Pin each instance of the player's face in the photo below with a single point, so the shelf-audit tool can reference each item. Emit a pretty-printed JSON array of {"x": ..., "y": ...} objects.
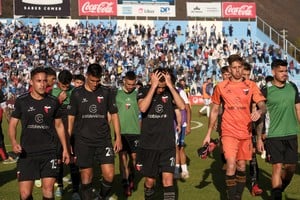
[
  {"x": 236, "y": 69},
  {"x": 39, "y": 83},
  {"x": 161, "y": 87},
  {"x": 226, "y": 75},
  {"x": 246, "y": 75},
  {"x": 129, "y": 85},
  {"x": 280, "y": 74},
  {"x": 63, "y": 87},
  {"x": 51, "y": 80},
  {"x": 78, "y": 83},
  {"x": 92, "y": 82}
]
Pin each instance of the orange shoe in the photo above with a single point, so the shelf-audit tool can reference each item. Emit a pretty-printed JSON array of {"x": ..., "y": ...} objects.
[{"x": 256, "y": 190}]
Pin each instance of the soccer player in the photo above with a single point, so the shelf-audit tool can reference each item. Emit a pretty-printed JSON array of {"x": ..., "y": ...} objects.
[
  {"x": 128, "y": 111},
  {"x": 38, "y": 148},
  {"x": 282, "y": 127},
  {"x": 253, "y": 165},
  {"x": 156, "y": 154},
  {"x": 87, "y": 119},
  {"x": 237, "y": 95}
]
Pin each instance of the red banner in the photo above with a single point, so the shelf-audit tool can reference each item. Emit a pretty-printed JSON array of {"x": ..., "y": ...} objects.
[
  {"x": 238, "y": 10},
  {"x": 97, "y": 8},
  {"x": 196, "y": 100}
]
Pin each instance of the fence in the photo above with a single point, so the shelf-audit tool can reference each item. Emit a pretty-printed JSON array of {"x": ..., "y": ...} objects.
[{"x": 279, "y": 38}]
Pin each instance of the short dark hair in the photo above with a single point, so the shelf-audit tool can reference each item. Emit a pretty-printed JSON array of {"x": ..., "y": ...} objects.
[
  {"x": 65, "y": 77},
  {"x": 94, "y": 70},
  {"x": 78, "y": 77},
  {"x": 247, "y": 66},
  {"x": 36, "y": 71},
  {"x": 224, "y": 69},
  {"x": 50, "y": 72},
  {"x": 234, "y": 58},
  {"x": 130, "y": 75},
  {"x": 278, "y": 62},
  {"x": 162, "y": 70}
]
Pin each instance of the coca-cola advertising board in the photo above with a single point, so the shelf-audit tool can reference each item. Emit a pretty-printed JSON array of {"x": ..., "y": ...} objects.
[
  {"x": 238, "y": 10},
  {"x": 97, "y": 8},
  {"x": 42, "y": 8}
]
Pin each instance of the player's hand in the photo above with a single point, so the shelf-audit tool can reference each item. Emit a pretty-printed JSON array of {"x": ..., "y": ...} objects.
[
  {"x": 206, "y": 140},
  {"x": 66, "y": 157},
  {"x": 260, "y": 145},
  {"x": 155, "y": 78},
  {"x": 17, "y": 148},
  {"x": 188, "y": 129},
  {"x": 118, "y": 145},
  {"x": 62, "y": 96},
  {"x": 168, "y": 79}
]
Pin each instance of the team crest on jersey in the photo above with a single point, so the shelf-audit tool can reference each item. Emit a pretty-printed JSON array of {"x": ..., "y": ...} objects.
[
  {"x": 246, "y": 91},
  {"x": 46, "y": 108},
  {"x": 127, "y": 105},
  {"x": 164, "y": 99},
  {"x": 99, "y": 99}
]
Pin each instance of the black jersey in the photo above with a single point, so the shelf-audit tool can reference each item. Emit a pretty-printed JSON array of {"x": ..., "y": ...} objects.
[
  {"x": 90, "y": 110},
  {"x": 38, "y": 135},
  {"x": 158, "y": 130}
]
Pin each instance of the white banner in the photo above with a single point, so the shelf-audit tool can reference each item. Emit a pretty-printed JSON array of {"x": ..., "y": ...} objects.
[
  {"x": 203, "y": 9},
  {"x": 146, "y": 10}
]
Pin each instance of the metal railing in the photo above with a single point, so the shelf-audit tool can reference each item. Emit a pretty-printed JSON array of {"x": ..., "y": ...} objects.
[{"x": 279, "y": 38}]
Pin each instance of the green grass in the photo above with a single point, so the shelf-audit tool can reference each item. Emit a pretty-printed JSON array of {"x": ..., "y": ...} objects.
[{"x": 206, "y": 177}]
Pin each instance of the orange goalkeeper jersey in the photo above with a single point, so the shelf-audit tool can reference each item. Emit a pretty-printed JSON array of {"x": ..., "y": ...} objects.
[{"x": 236, "y": 98}]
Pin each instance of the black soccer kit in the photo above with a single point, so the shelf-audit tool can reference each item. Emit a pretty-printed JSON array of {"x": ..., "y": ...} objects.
[
  {"x": 91, "y": 128},
  {"x": 38, "y": 136}
]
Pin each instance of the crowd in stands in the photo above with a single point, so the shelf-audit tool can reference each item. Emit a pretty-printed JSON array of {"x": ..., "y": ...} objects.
[{"x": 119, "y": 49}]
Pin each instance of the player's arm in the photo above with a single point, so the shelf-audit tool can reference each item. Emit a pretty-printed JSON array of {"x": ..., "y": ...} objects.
[
  {"x": 177, "y": 98},
  {"x": 212, "y": 121},
  {"x": 63, "y": 137},
  {"x": 71, "y": 119},
  {"x": 297, "y": 106},
  {"x": 12, "y": 133},
  {"x": 116, "y": 124}
]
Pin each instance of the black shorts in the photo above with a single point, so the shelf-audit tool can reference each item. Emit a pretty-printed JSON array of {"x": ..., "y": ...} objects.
[
  {"x": 130, "y": 142},
  {"x": 284, "y": 150},
  {"x": 32, "y": 168},
  {"x": 152, "y": 162},
  {"x": 86, "y": 155}
]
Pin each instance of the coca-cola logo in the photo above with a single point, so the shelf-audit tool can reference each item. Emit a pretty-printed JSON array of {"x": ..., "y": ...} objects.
[
  {"x": 244, "y": 10},
  {"x": 103, "y": 7}
]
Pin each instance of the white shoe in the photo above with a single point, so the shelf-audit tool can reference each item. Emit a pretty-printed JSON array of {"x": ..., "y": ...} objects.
[
  {"x": 67, "y": 180},
  {"x": 38, "y": 183},
  {"x": 185, "y": 175}
]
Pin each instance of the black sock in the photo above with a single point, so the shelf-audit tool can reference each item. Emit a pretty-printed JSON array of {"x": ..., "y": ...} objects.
[
  {"x": 223, "y": 158},
  {"x": 240, "y": 183},
  {"x": 169, "y": 193},
  {"x": 105, "y": 188},
  {"x": 28, "y": 198},
  {"x": 86, "y": 191},
  {"x": 276, "y": 194},
  {"x": 284, "y": 184},
  {"x": 231, "y": 186},
  {"x": 45, "y": 198},
  {"x": 253, "y": 166},
  {"x": 75, "y": 177},
  {"x": 148, "y": 193}
]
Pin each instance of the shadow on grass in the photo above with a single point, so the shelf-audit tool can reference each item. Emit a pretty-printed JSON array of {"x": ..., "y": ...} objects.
[
  {"x": 8, "y": 175},
  {"x": 218, "y": 178}
]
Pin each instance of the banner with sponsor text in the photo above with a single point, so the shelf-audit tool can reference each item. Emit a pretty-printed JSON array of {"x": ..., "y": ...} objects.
[
  {"x": 145, "y": 10},
  {"x": 42, "y": 8},
  {"x": 97, "y": 8},
  {"x": 239, "y": 10},
  {"x": 195, "y": 9}
]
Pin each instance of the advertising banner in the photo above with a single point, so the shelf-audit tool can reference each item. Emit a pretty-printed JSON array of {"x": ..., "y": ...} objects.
[
  {"x": 194, "y": 9},
  {"x": 196, "y": 100},
  {"x": 161, "y": 2},
  {"x": 238, "y": 10},
  {"x": 42, "y": 8},
  {"x": 97, "y": 8},
  {"x": 145, "y": 10}
]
